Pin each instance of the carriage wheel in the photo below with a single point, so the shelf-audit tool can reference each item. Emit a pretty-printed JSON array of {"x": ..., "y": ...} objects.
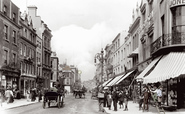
[{"x": 58, "y": 101}]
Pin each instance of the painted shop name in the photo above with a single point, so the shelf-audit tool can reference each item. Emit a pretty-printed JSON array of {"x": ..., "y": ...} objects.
[{"x": 175, "y": 3}]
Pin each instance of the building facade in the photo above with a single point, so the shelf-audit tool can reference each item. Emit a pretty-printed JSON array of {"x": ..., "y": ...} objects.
[
  {"x": 27, "y": 43},
  {"x": 9, "y": 48},
  {"x": 45, "y": 34},
  {"x": 55, "y": 70}
]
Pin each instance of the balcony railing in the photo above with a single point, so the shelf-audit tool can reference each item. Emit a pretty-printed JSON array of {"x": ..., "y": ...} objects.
[{"x": 168, "y": 40}]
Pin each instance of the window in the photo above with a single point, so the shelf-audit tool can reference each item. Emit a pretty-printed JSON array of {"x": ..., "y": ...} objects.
[
  {"x": 5, "y": 31},
  {"x": 25, "y": 48},
  {"x": 14, "y": 58},
  {"x": 5, "y": 10},
  {"x": 13, "y": 17},
  {"x": 6, "y": 57},
  {"x": 25, "y": 32},
  {"x": 14, "y": 36},
  {"x": 21, "y": 48}
]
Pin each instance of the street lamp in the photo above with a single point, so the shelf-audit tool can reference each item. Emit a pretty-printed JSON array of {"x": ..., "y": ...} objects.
[{"x": 99, "y": 56}]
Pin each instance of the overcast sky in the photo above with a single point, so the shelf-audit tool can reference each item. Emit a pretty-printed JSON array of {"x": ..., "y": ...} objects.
[{"x": 80, "y": 28}]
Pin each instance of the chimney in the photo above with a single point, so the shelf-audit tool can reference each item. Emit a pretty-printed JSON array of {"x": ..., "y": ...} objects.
[{"x": 32, "y": 10}]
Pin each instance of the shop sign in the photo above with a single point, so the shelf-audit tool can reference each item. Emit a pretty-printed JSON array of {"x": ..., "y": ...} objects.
[{"x": 175, "y": 3}]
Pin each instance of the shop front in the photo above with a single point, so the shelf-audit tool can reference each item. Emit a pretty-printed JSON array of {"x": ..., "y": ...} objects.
[
  {"x": 9, "y": 78},
  {"x": 27, "y": 83},
  {"x": 170, "y": 73}
]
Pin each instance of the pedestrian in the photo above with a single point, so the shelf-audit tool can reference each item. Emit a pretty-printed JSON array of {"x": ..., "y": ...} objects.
[
  {"x": 9, "y": 95},
  {"x": 109, "y": 99},
  {"x": 141, "y": 97},
  {"x": 158, "y": 92},
  {"x": 105, "y": 97},
  {"x": 39, "y": 95},
  {"x": 146, "y": 97},
  {"x": 115, "y": 98},
  {"x": 126, "y": 96},
  {"x": 28, "y": 95},
  {"x": 121, "y": 99}
]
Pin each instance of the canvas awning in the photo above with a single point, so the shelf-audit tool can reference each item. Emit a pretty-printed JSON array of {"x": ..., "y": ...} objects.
[
  {"x": 125, "y": 76},
  {"x": 134, "y": 53},
  {"x": 106, "y": 82},
  {"x": 170, "y": 66},
  {"x": 114, "y": 80},
  {"x": 147, "y": 69}
]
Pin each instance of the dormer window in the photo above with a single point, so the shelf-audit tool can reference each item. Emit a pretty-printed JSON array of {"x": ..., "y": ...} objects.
[
  {"x": 5, "y": 10},
  {"x": 13, "y": 17}
]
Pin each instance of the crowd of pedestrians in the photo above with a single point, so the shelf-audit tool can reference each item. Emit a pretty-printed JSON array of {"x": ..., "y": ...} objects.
[
  {"x": 122, "y": 95},
  {"x": 116, "y": 97}
]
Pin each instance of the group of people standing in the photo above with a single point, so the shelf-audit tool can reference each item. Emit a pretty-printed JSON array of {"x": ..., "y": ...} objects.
[
  {"x": 153, "y": 93},
  {"x": 32, "y": 94},
  {"x": 120, "y": 97},
  {"x": 116, "y": 97}
]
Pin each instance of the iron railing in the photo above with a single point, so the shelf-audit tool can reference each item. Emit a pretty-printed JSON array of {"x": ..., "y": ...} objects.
[{"x": 168, "y": 40}]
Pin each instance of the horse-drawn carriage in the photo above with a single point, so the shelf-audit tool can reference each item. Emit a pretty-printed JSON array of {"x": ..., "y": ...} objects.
[
  {"x": 79, "y": 93},
  {"x": 53, "y": 97}
]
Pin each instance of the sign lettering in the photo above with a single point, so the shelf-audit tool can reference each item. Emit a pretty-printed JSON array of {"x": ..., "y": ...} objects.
[{"x": 175, "y": 3}]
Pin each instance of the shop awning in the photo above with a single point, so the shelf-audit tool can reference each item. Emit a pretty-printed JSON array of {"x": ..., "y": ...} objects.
[
  {"x": 106, "y": 82},
  {"x": 125, "y": 76},
  {"x": 147, "y": 69},
  {"x": 170, "y": 66},
  {"x": 114, "y": 80},
  {"x": 134, "y": 53}
]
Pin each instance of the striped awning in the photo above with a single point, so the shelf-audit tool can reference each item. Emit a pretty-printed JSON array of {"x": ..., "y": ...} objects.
[
  {"x": 147, "y": 69},
  {"x": 106, "y": 82},
  {"x": 125, "y": 76},
  {"x": 170, "y": 66},
  {"x": 114, "y": 80}
]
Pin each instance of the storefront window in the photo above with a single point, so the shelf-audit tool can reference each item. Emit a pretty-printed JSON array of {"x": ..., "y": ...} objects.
[{"x": 178, "y": 23}]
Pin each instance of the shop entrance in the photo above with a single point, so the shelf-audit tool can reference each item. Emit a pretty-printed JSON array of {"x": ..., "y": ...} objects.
[{"x": 181, "y": 93}]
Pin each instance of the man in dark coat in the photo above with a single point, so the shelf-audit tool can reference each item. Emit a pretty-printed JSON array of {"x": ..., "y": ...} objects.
[
  {"x": 105, "y": 98},
  {"x": 115, "y": 98}
]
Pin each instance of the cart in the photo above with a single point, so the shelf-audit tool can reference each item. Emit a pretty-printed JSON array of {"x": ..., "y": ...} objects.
[
  {"x": 53, "y": 97},
  {"x": 79, "y": 93}
]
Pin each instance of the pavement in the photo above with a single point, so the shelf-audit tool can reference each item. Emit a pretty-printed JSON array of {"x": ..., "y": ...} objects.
[
  {"x": 17, "y": 103},
  {"x": 133, "y": 108}
]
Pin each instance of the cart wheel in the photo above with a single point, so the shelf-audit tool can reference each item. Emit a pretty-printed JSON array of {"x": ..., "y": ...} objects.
[
  {"x": 44, "y": 105},
  {"x": 58, "y": 101}
]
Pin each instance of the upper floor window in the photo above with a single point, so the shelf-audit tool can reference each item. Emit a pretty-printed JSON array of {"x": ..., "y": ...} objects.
[
  {"x": 6, "y": 57},
  {"x": 5, "y": 31},
  {"x": 25, "y": 32},
  {"x": 14, "y": 36},
  {"x": 13, "y": 17},
  {"x": 25, "y": 49},
  {"x": 14, "y": 58},
  {"x": 5, "y": 10},
  {"x": 21, "y": 48}
]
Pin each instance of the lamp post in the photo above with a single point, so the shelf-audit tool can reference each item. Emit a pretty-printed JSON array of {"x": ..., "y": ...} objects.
[{"x": 99, "y": 56}]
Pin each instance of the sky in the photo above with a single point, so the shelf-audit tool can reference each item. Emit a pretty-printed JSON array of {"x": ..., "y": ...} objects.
[{"x": 81, "y": 28}]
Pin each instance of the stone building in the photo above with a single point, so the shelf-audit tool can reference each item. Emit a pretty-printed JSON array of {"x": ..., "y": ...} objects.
[
  {"x": 27, "y": 46},
  {"x": 9, "y": 48}
]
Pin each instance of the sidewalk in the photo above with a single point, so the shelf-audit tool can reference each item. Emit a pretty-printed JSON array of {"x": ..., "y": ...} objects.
[
  {"x": 17, "y": 103},
  {"x": 133, "y": 108}
]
